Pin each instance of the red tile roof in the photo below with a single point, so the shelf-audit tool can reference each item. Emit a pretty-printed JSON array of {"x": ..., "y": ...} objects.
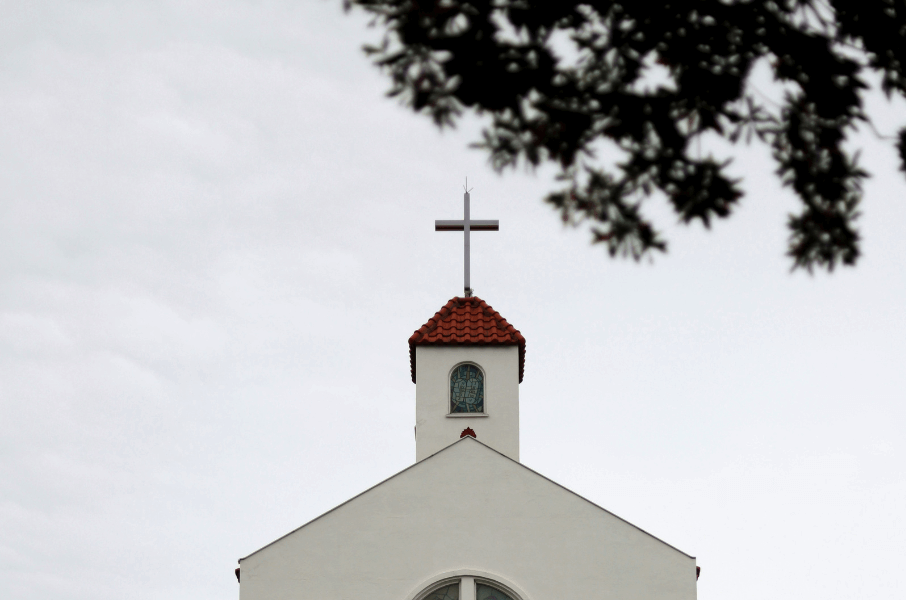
[{"x": 467, "y": 321}]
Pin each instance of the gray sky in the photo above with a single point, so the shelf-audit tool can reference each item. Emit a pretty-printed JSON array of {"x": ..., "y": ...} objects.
[{"x": 216, "y": 236}]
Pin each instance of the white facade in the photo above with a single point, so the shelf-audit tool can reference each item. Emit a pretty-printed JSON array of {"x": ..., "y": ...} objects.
[
  {"x": 468, "y": 511},
  {"x": 436, "y": 428}
]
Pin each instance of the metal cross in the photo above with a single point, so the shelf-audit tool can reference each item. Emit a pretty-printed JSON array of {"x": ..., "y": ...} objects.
[{"x": 467, "y": 225}]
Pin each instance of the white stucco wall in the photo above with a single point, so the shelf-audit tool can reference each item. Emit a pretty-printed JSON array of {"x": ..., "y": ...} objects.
[
  {"x": 467, "y": 510},
  {"x": 436, "y": 429}
]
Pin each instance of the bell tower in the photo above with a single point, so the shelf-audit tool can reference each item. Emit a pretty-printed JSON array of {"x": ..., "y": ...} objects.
[{"x": 467, "y": 363}]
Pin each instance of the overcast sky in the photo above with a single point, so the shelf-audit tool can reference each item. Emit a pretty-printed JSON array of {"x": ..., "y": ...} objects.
[{"x": 216, "y": 236}]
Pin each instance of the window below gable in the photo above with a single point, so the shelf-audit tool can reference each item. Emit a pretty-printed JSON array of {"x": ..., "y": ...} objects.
[{"x": 467, "y": 588}]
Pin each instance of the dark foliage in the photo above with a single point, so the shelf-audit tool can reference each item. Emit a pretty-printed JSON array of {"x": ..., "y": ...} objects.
[{"x": 500, "y": 58}]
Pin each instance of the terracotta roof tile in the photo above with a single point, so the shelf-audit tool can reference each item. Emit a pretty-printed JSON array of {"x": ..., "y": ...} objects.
[{"x": 467, "y": 321}]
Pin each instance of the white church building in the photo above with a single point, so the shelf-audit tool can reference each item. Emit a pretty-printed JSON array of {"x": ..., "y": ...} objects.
[{"x": 467, "y": 521}]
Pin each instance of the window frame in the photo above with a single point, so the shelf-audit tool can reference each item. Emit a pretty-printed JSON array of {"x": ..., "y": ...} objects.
[
  {"x": 484, "y": 383},
  {"x": 494, "y": 584},
  {"x": 438, "y": 585},
  {"x": 466, "y": 578}
]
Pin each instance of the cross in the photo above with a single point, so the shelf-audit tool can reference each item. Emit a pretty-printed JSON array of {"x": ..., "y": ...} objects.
[{"x": 466, "y": 225}]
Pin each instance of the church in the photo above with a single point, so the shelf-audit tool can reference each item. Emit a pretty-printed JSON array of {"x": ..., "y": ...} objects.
[{"x": 467, "y": 521}]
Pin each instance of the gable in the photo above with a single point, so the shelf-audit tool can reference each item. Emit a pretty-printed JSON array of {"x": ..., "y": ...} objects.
[{"x": 468, "y": 506}]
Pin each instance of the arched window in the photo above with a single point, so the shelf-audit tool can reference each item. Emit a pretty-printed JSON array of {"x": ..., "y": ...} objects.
[
  {"x": 467, "y": 389},
  {"x": 466, "y": 588},
  {"x": 484, "y": 591},
  {"x": 446, "y": 592}
]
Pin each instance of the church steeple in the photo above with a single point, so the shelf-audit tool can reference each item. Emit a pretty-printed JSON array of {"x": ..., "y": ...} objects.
[{"x": 467, "y": 363}]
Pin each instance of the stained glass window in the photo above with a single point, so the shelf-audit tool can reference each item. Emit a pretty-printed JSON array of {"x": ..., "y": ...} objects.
[
  {"x": 486, "y": 592},
  {"x": 449, "y": 592},
  {"x": 467, "y": 390}
]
